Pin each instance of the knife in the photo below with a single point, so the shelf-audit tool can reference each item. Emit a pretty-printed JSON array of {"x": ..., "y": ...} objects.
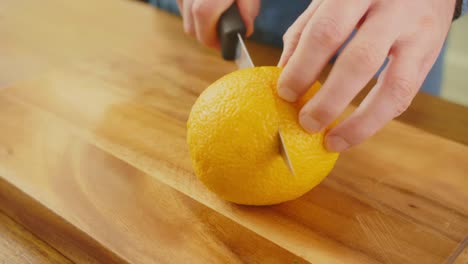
[{"x": 231, "y": 30}]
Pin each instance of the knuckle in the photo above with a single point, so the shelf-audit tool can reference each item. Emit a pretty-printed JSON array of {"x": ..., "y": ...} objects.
[
  {"x": 291, "y": 37},
  {"x": 429, "y": 29},
  {"x": 287, "y": 36},
  {"x": 327, "y": 32},
  {"x": 401, "y": 93},
  {"x": 427, "y": 23},
  {"x": 366, "y": 54}
]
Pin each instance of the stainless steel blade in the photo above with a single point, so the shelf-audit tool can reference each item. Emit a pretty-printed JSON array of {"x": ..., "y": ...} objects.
[
  {"x": 284, "y": 153},
  {"x": 243, "y": 60}
]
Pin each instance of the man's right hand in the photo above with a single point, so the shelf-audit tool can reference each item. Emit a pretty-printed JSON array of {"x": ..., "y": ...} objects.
[{"x": 201, "y": 17}]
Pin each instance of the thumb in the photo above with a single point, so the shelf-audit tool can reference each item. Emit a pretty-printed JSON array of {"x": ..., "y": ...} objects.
[{"x": 249, "y": 10}]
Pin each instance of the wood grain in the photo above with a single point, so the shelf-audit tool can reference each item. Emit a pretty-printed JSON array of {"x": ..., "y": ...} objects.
[
  {"x": 92, "y": 143},
  {"x": 118, "y": 204},
  {"x": 77, "y": 246},
  {"x": 17, "y": 245}
]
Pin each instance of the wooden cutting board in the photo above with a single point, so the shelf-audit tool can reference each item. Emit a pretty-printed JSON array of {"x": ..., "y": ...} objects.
[{"x": 94, "y": 98}]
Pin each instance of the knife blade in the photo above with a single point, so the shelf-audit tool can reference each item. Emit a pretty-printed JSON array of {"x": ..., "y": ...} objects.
[
  {"x": 231, "y": 30},
  {"x": 284, "y": 153},
  {"x": 242, "y": 58}
]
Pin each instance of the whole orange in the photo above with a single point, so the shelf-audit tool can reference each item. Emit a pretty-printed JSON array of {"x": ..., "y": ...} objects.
[{"x": 234, "y": 145}]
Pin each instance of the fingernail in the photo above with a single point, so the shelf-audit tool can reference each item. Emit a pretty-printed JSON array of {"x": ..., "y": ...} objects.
[
  {"x": 336, "y": 144},
  {"x": 310, "y": 124},
  {"x": 287, "y": 94}
]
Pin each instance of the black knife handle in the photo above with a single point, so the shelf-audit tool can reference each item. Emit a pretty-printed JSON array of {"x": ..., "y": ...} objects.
[{"x": 229, "y": 25}]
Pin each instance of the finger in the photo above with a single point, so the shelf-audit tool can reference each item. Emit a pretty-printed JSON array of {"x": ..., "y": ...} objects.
[
  {"x": 189, "y": 25},
  {"x": 294, "y": 32},
  {"x": 249, "y": 11},
  {"x": 206, "y": 14},
  {"x": 391, "y": 96},
  {"x": 325, "y": 32},
  {"x": 355, "y": 67}
]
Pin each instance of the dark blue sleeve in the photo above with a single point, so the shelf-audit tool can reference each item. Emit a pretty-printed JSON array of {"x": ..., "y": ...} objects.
[
  {"x": 465, "y": 7},
  {"x": 168, "y": 5}
]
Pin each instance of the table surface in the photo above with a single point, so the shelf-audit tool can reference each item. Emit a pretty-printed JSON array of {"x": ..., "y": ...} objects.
[{"x": 94, "y": 168}]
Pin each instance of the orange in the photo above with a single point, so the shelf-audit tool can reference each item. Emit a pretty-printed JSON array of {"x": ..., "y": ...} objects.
[{"x": 234, "y": 145}]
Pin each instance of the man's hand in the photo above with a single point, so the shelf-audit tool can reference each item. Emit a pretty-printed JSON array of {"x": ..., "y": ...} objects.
[
  {"x": 201, "y": 17},
  {"x": 410, "y": 33}
]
